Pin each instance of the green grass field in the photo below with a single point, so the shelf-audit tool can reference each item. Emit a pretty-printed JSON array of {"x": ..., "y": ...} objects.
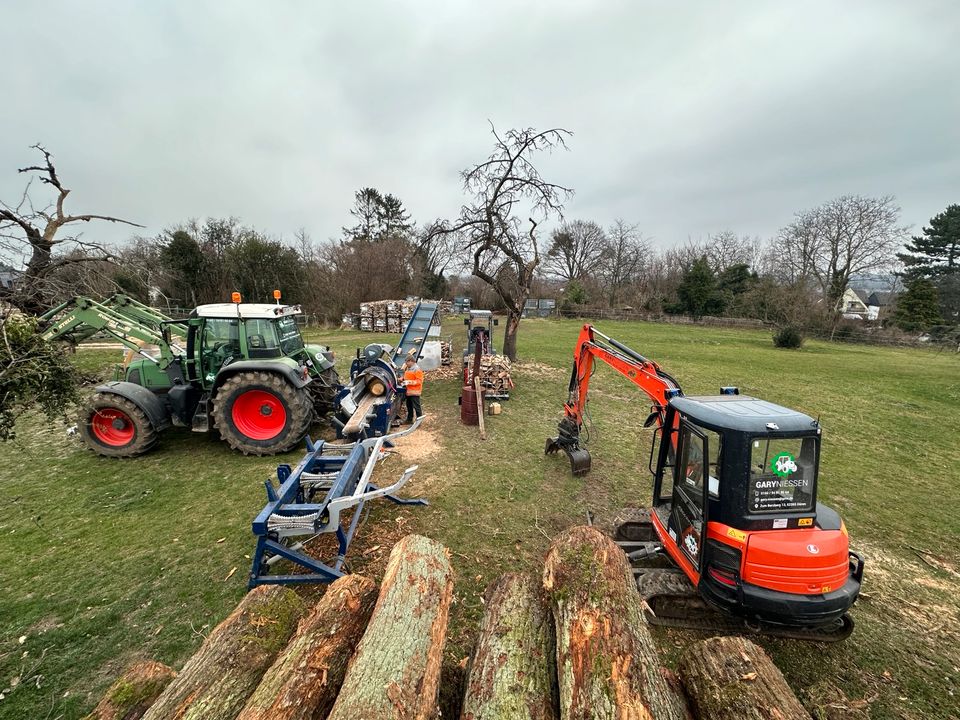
[{"x": 106, "y": 561}]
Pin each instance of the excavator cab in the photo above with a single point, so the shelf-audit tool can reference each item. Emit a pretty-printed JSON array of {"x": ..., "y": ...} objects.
[{"x": 735, "y": 505}]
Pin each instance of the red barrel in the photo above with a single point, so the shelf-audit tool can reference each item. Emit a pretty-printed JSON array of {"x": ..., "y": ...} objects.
[{"x": 468, "y": 406}]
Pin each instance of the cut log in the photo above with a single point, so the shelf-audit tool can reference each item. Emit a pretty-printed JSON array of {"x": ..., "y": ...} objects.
[
  {"x": 304, "y": 681},
  {"x": 512, "y": 673},
  {"x": 728, "y": 678},
  {"x": 133, "y": 692},
  {"x": 607, "y": 666},
  {"x": 217, "y": 680},
  {"x": 395, "y": 672}
]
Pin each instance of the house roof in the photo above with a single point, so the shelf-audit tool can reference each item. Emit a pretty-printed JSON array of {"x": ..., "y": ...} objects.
[{"x": 880, "y": 298}]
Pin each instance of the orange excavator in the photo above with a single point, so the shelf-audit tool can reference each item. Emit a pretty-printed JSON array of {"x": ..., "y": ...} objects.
[{"x": 735, "y": 538}]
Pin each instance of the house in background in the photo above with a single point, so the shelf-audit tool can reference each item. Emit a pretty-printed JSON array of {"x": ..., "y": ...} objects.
[
  {"x": 8, "y": 276},
  {"x": 852, "y": 306},
  {"x": 878, "y": 304}
]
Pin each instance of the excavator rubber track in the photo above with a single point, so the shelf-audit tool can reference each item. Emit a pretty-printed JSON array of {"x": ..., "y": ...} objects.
[{"x": 671, "y": 600}]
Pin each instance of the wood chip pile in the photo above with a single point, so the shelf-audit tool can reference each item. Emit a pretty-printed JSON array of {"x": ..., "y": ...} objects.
[
  {"x": 494, "y": 375},
  {"x": 389, "y": 316},
  {"x": 571, "y": 643}
]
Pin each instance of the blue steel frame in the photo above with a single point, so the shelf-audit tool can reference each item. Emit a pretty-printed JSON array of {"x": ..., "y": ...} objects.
[{"x": 291, "y": 499}]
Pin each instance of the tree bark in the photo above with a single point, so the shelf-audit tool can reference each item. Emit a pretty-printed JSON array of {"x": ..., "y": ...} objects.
[
  {"x": 730, "y": 678},
  {"x": 513, "y": 669},
  {"x": 606, "y": 662},
  {"x": 133, "y": 692},
  {"x": 216, "y": 682},
  {"x": 395, "y": 672},
  {"x": 304, "y": 681}
]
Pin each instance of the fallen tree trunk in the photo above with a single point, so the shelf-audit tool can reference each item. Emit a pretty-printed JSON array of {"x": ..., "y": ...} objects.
[
  {"x": 606, "y": 662},
  {"x": 395, "y": 672},
  {"x": 133, "y": 692},
  {"x": 730, "y": 678},
  {"x": 216, "y": 682},
  {"x": 512, "y": 673},
  {"x": 304, "y": 681}
]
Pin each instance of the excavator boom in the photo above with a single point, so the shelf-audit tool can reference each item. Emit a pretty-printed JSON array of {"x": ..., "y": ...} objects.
[{"x": 593, "y": 345}]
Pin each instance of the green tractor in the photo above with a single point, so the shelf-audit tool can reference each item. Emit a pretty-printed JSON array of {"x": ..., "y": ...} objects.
[{"x": 240, "y": 368}]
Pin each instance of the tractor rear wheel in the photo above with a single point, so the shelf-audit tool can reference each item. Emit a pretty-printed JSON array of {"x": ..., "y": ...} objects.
[
  {"x": 260, "y": 413},
  {"x": 116, "y": 427}
]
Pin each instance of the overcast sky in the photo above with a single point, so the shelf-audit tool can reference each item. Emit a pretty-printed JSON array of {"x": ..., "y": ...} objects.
[{"x": 688, "y": 118}]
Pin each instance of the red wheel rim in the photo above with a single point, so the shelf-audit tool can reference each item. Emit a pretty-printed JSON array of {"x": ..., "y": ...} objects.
[
  {"x": 112, "y": 427},
  {"x": 259, "y": 414}
]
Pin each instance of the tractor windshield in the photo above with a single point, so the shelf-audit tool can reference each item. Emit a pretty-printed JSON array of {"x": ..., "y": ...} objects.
[
  {"x": 783, "y": 473},
  {"x": 290, "y": 340}
]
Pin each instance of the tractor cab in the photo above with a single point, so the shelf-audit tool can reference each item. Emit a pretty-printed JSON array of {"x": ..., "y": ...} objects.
[{"x": 735, "y": 491}]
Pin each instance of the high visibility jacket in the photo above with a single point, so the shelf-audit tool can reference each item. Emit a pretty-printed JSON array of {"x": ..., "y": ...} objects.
[{"x": 413, "y": 379}]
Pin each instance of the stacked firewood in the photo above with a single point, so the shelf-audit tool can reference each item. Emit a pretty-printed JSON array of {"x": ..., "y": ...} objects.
[
  {"x": 494, "y": 375},
  {"x": 446, "y": 352},
  {"x": 389, "y": 316},
  {"x": 569, "y": 644}
]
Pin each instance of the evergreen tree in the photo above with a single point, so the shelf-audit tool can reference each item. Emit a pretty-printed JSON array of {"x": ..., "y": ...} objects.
[
  {"x": 936, "y": 253},
  {"x": 697, "y": 292},
  {"x": 918, "y": 307}
]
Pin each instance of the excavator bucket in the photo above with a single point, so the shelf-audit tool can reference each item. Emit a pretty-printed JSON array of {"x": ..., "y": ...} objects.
[{"x": 579, "y": 457}]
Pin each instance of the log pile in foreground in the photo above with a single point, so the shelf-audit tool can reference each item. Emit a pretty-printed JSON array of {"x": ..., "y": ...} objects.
[
  {"x": 395, "y": 672},
  {"x": 730, "y": 678},
  {"x": 304, "y": 681},
  {"x": 216, "y": 682},
  {"x": 606, "y": 660},
  {"x": 572, "y": 644},
  {"x": 134, "y": 692},
  {"x": 512, "y": 673}
]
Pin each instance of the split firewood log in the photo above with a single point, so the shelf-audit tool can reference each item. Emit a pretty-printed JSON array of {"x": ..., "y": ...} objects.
[
  {"x": 395, "y": 673},
  {"x": 607, "y": 665},
  {"x": 217, "y": 680},
  {"x": 730, "y": 678}
]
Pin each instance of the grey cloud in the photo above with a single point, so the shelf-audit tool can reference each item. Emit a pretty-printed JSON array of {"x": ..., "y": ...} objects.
[{"x": 688, "y": 119}]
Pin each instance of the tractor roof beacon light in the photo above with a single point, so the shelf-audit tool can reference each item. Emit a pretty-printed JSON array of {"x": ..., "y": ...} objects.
[{"x": 276, "y": 296}]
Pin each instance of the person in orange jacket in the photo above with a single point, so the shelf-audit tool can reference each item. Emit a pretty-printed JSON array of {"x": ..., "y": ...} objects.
[{"x": 413, "y": 383}]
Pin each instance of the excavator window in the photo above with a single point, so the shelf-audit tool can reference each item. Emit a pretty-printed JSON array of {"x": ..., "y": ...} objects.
[{"x": 782, "y": 474}]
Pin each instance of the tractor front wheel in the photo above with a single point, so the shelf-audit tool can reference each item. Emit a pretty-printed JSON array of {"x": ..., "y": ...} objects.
[
  {"x": 116, "y": 427},
  {"x": 260, "y": 413}
]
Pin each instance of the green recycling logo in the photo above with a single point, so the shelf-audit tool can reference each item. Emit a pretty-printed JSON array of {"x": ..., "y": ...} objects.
[{"x": 783, "y": 464}]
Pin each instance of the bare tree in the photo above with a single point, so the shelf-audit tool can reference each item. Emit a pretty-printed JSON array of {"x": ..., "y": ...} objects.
[
  {"x": 628, "y": 253},
  {"x": 848, "y": 235},
  {"x": 32, "y": 238},
  {"x": 504, "y": 254},
  {"x": 576, "y": 249}
]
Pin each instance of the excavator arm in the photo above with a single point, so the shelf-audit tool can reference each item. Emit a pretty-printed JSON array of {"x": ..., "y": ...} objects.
[{"x": 592, "y": 345}]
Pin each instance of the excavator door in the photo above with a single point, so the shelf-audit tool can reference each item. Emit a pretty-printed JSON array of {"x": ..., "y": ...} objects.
[{"x": 687, "y": 516}]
